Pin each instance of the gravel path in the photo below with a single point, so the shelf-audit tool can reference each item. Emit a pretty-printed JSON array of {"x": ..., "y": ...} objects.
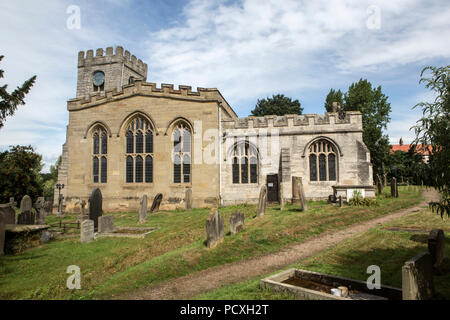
[{"x": 189, "y": 286}]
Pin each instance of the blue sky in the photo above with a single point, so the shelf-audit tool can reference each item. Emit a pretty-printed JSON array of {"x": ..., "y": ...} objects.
[{"x": 247, "y": 49}]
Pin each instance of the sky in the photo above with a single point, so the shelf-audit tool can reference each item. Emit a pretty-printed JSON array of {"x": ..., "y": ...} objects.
[{"x": 248, "y": 49}]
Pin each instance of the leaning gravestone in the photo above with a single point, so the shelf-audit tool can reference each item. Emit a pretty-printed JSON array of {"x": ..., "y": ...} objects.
[
  {"x": 188, "y": 199},
  {"x": 143, "y": 209},
  {"x": 301, "y": 194},
  {"x": 106, "y": 224},
  {"x": 9, "y": 215},
  {"x": 436, "y": 247},
  {"x": 2, "y": 234},
  {"x": 379, "y": 184},
  {"x": 417, "y": 278},
  {"x": 87, "y": 231},
  {"x": 262, "y": 201},
  {"x": 95, "y": 206},
  {"x": 236, "y": 222},
  {"x": 156, "y": 203},
  {"x": 214, "y": 228}
]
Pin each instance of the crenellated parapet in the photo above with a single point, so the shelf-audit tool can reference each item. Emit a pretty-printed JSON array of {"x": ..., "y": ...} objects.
[
  {"x": 109, "y": 56},
  {"x": 141, "y": 88},
  {"x": 329, "y": 120}
]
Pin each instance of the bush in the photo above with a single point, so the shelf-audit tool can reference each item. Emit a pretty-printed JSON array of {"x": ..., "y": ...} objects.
[{"x": 358, "y": 200}]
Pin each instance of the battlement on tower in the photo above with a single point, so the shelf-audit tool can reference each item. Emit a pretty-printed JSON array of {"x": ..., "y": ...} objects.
[{"x": 109, "y": 56}]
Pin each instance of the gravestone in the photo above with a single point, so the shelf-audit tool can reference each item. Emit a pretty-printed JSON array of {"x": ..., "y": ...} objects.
[
  {"x": 340, "y": 201},
  {"x": 436, "y": 247},
  {"x": 95, "y": 206},
  {"x": 106, "y": 224},
  {"x": 156, "y": 203},
  {"x": 40, "y": 213},
  {"x": 13, "y": 203},
  {"x": 8, "y": 212},
  {"x": 417, "y": 278},
  {"x": 262, "y": 201},
  {"x": 26, "y": 204},
  {"x": 26, "y": 218},
  {"x": 143, "y": 209},
  {"x": 282, "y": 200},
  {"x": 188, "y": 198},
  {"x": 379, "y": 185},
  {"x": 87, "y": 231},
  {"x": 2, "y": 234},
  {"x": 301, "y": 195},
  {"x": 236, "y": 222},
  {"x": 394, "y": 192},
  {"x": 295, "y": 198},
  {"x": 214, "y": 228}
]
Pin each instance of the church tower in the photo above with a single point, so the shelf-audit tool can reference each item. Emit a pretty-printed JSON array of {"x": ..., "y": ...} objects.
[{"x": 106, "y": 71}]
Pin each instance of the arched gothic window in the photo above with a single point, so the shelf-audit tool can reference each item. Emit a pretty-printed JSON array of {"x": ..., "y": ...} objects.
[
  {"x": 139, "y": 151},
  {"x": 182, "y": 153},
  {"x": 322, "y": 161},
  {"x": 245, "y": 163},
  {"x": 99, "y": 155}
]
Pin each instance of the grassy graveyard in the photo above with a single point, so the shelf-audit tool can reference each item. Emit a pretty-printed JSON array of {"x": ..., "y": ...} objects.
[
  {"x": 388, "y": 249},
  {"x": 110, "y": 266}
]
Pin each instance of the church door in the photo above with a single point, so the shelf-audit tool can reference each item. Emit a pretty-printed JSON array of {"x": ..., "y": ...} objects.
[{"x": 272, "y": 188}]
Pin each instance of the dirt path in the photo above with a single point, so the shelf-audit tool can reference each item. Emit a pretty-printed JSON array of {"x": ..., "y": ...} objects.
[{"x": 210, "y": 279}]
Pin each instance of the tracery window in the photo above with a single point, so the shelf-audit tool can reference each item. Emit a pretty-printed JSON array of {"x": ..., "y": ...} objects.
[
  {"x": 322, "y": 161},
  {"x": 99, "y": 155},
  {"x": 139, "y": 151},
  {"x": 245, "y": 163},
  {"x": 182, "y": 153}
]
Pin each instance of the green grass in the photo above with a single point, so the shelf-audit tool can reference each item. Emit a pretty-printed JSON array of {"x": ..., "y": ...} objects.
[
  {"x": 111, "y": 266},
  {"x": 378, "y": 246}
]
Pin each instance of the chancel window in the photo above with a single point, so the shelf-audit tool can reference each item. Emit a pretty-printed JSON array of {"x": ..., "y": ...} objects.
[
  {"x": 182, "y": 153},
  {"x": 245, "y": 163},
  {"x": 322, "y": 161},
  {"x": 139, "y": 151},
  {"x": 99, "y": 155}
]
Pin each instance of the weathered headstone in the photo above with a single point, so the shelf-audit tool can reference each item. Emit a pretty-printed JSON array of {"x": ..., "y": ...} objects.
[
  {"x": 379, "y": 185},
  {"x": 394, "y": 188},
  {"x": 417, "y": 278},
  {"x": 26, "y": 204},
  {"x": 236, "y": 222},
  {"x": 87, "y": 231},
  {"x": 95, "y": 206},
  {"x": 282, "y": 200},
  {"x": 8, "y": 212},
  {"x": 295, "y": 198},
  {"x": 340, "y": 201},
  {"x": 436, "y": 247},
  {"x": 143, "y": 209},
  {"x": 156, "y": 203},
  {"x": 188, "y": 198},
  {"x": 26, "y": 218},
  {"x": 40, "y": 213},
  {"x": 106, "y": 224},
  {"x": 2, "y": 234},
  {"x": 262, "y": 201},
  {"x": 301, "y": 195},
  {"x": 214, "y": 228},
  {"x": 12, "y": 202}
]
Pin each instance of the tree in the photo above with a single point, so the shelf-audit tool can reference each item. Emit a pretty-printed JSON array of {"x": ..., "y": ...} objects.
[
  {"x": 20, "y": 170},
  {"x": 50, "y": 179},
  {"x": 10, "y": 102},
  {"x": 407, "y": 165},
  {"x": 375, "y": 109},
  {"x": 333, "y": 96},
  {"x": 433, "y": 133},
  {"x": 277, "y": 105}
]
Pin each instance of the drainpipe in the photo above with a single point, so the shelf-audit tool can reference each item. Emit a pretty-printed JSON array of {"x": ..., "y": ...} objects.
[{"x": 219, "y": 136}]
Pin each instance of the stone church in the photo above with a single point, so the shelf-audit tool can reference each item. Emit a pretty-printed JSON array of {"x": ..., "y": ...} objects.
[{"x": 129, "y": 137}]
